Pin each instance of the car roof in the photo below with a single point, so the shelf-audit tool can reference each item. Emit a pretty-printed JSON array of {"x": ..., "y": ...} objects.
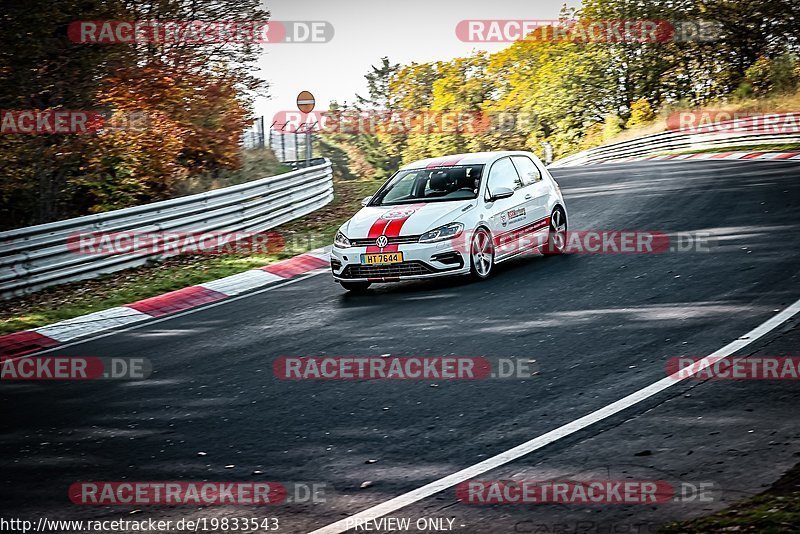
[{"x": 473, "y": 158}]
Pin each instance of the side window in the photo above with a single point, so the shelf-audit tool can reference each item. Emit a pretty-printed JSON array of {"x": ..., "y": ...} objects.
[
  {"x": 528, "y": 170},
  {"x": 503, "y": 174}
]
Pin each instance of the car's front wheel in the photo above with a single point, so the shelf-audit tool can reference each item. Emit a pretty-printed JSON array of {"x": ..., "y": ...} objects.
[
  {"x": 481, "y": 254},
  {"x": 356, "y": 287},
  {"x": 557, "y": 237}
]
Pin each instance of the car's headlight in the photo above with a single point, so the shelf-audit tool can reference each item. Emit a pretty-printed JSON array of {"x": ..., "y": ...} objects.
[
  {"x": 448, "y": 231},
  {"x": 341, "y": 241}
]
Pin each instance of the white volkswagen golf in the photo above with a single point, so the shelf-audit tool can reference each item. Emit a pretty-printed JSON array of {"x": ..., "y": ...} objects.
[{"x": 451, "y": 216}]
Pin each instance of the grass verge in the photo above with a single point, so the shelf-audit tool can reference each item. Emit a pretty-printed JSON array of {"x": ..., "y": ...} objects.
[{"x": 776, "y": 511}]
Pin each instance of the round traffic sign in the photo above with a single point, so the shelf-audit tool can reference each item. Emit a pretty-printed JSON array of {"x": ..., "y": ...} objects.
[{"x": 305, "y": 102}]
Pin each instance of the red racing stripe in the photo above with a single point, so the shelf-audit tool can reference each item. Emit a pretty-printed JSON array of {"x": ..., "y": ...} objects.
[
  {"x": 395, "y": 225},
  {"x": 443, "y": 162},
  {"x": 390, "y": 227},
  {"x": 452, "y": 161},
  {"x": 435, "y": 163},
  {"x": 375, "y": 231},
  {"x": 509, "y": 236}
]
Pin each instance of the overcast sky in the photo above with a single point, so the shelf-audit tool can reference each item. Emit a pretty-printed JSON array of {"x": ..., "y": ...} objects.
[{"x": 365, "y": 31}]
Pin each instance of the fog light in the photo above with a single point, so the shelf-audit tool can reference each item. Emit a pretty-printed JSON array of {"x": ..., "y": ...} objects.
[{"x": 448, "y": 258}]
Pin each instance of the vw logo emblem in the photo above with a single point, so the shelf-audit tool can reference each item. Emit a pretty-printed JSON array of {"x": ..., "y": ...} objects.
[{"x": 382, "y": 241}]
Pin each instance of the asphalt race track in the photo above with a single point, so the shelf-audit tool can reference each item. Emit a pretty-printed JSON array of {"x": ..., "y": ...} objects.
[{"x": 599, "y": 327}]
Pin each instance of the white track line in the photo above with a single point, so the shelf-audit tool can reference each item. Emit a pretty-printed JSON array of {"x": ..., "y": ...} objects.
[{"x": 519, "y": 451}]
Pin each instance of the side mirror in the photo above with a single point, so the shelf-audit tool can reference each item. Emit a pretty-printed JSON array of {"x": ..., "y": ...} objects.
[
  {"x": 500, "y": 192},
  {"x": 366, "y": 200}
]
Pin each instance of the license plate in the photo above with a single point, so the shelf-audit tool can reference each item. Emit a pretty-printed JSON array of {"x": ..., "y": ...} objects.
[{"x": 382, "y": 258}]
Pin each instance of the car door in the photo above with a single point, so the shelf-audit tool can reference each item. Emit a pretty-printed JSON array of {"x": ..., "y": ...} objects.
[
  {"x": 535, "y": 190},
  {"x": 506, "y": 216}
]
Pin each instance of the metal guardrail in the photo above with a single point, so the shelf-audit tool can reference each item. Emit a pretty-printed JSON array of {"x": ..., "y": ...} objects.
[
  {"x": 677, "y": 140},
  {"x": 36, "y": 257}
]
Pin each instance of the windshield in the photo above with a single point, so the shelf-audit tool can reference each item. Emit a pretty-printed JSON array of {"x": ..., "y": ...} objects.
[{"x": 442, "y": 184}]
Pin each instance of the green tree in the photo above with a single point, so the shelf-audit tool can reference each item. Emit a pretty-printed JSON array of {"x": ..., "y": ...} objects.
[{"x": 783, "y": 73}]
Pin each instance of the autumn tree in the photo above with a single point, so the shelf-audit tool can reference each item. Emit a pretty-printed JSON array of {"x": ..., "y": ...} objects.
[{"x": 194, "y": 97}]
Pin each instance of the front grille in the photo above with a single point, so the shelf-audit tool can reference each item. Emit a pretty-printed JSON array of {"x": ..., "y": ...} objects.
[
  {"x": 370, "y": 241},
  {"x": 393, "y": 270}
]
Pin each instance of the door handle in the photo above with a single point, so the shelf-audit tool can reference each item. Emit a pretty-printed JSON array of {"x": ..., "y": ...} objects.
[{"x": 528, "y": 196}]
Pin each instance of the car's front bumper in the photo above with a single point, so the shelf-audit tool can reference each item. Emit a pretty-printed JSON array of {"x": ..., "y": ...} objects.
[{"x": 420, "y": 260}]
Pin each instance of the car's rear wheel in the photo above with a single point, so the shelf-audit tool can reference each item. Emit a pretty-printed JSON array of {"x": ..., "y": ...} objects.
[
  {"x": 356, "y": 287},
  {"x": 481, "y": 254},
  {"x": 557, "y": 237}
]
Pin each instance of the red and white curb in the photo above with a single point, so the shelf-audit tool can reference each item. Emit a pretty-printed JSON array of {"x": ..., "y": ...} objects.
[
  {"x": 713, "y": 156},
  {"x": 20, "y": 343}
]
